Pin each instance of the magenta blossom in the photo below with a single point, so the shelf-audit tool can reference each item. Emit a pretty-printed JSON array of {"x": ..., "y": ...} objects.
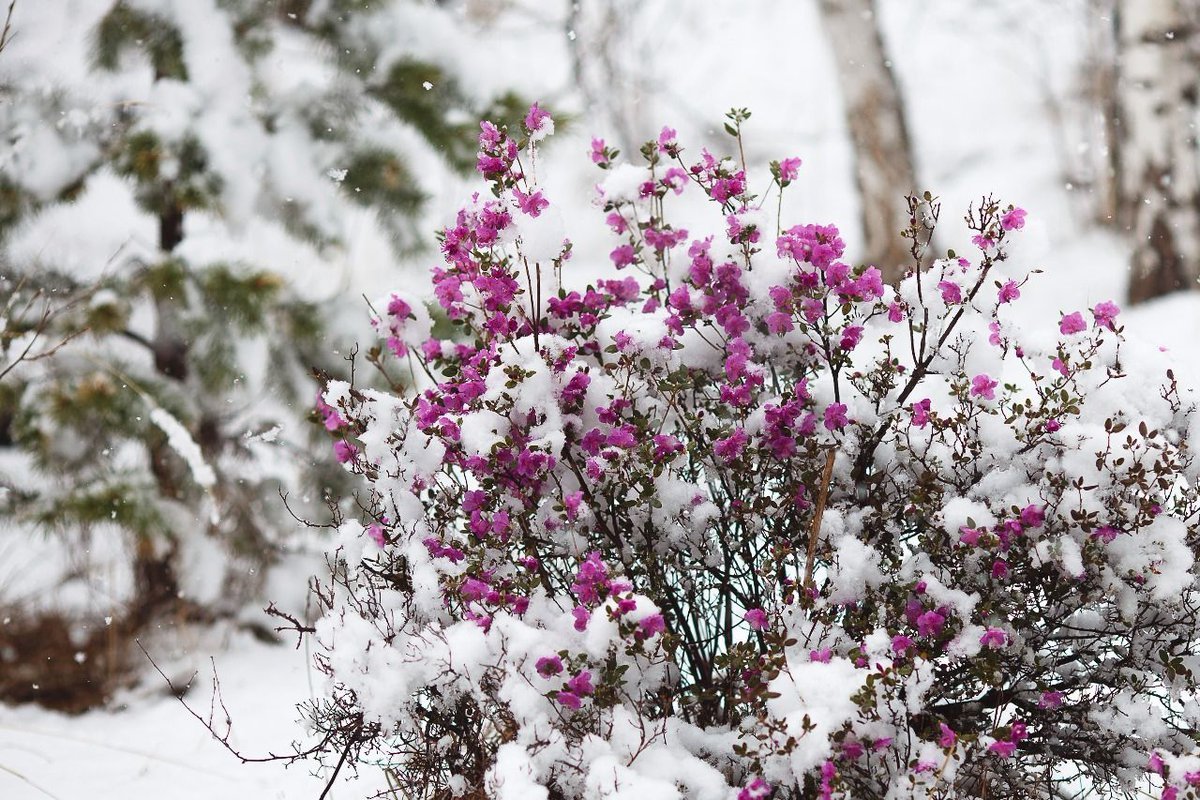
[
  {"x": 1008, "y": 292},
  {"x": 581, "y": 684},
  {"x": 951, "y": 292},
  {"x": 983, "y": 386},
  {"x": 948, "y": 737},
  {"x": 789, "y": 170},
  {"x": 1105, "y": 313},
  {"x": 1013, "y": 219},
  {"x": 994, "y": 638},
  {"x": 757, "y": 619},
  {"x": 548, "y": 666},
  {"x": 568, "y": 699},
  {"x": 1071, "y": 324}
]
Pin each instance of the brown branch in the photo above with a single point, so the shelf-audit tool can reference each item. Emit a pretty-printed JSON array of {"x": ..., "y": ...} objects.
[{"x": 815, "y": 531}]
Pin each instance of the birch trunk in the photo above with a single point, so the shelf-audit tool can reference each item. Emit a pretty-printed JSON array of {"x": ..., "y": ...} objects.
[
  {"x": 882, "y": 151},
  {"x": 1156, "y": 147}
]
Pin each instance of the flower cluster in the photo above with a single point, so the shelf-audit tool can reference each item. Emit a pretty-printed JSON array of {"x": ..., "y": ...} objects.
[{"x": 749, "y": 522}]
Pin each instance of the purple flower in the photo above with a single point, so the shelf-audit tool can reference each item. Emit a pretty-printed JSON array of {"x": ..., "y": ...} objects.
[
  {"x": 948, "y": 737},
  {"x": 474, "y": 589},
  {"x": 731, "y": 446},
  {"x": 920, "y": 413},
  {"x": 901, "y": 645},
  {"x": 930, "y": 623},
  {"x": 835, "y": 417},
  {"x": 581, "y": 684},
  {"x": 821, "y": 656},
  {"x": 548, "y": 666},
  {"x": 1033, "y": 516},
  {"x": 1050, "y": 699},
  {"x": 568, "y": 699},
  {"x": 375, "y": 532}
]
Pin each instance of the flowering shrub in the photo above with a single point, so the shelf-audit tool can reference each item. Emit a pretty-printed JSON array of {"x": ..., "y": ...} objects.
[{"x": 750, "y": 523}]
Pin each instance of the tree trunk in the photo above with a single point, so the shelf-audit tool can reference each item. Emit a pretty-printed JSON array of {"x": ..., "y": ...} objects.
[
  {"x": 883, "y": 162},
  {"x": 1156, "y": 153}
]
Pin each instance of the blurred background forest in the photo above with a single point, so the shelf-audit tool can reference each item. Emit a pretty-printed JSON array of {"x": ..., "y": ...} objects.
[{"x": 198, "y": 198}]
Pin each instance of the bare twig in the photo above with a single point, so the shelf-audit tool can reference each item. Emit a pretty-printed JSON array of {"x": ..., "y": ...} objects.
[
  {"x": 294, "y": 625},
  {"x": 6, "y": 35}
]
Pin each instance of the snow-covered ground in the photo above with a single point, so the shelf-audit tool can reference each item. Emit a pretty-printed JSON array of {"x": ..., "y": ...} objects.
[{"x": 979, "y": 107}]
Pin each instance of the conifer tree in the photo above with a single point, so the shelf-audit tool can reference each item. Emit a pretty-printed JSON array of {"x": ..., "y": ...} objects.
[{"x": 180, "y": 193}]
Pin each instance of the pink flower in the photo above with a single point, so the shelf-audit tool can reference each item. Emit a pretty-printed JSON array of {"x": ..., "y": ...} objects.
[
  {"x": 901, "y": 645},
  {"x": 652, "y": 625},
  {"x": 581, "y": 684},
  {"x": 344, "y": 451},
  {"x": 757, "y": 789},
  {"x": 1072, "y": 323},
  {"x": 835, "y": 417},
  {"x": 994, "y": 638},
  {"x": 968, "y": 536},
  {"x": 568, "y": 699},
  {"x": 531, "y": 204},
  {"x": 821, "y": 656},
  {"x": 951, "y": 292},
  {"x": 930, "y": 623},
  {"x": 851, "y": 337},
  {"x": 538, "y": 123},
  {"x": 1033, "y": 516},
  {"x": 895, "y": 313},
  {"x": 474, "y": 589},
  {"x": 999, "y": 569},
  {"x": 1003, "y": 749},
  {"x": 948, "y": 737},
  {"x": 757, "y": 619},
  {"x": 582, "y": 618},
  {"x": 1105, "y": 533},
  {"x": 983, "y": 386},
  {"x": 1013, "y": 220},
  {"x": 1105, "y": 313},
  {"x": 984, "y": 243},
  {"x": 1058, "y": 366},
  {"x": 920, "y": 413},
  {"x": 375, "y": 532},
  {"x": 1155, "y": 764},
  {"x": 623, "y": 256},
  {"x": 667, "y": 142},
  {"x": 1008, "y": 292},
  {"x": 599, "y": 152},
  {"x": 1050, "y": 699},
  {"x": 548, "y": 666},
  {"x": 731, "y": 447},
  {"x": 789, "y": 169}
]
